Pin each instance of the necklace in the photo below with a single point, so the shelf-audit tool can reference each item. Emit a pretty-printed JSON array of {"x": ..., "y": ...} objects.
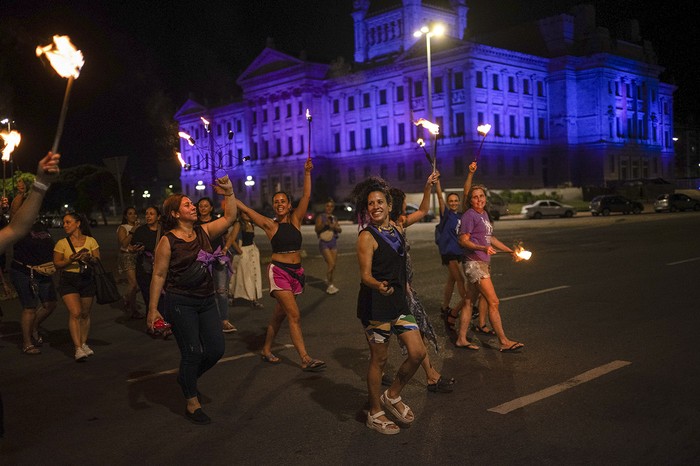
[
  {"x": 389, "y": 229},
  {"x": 188, "y": 234}
]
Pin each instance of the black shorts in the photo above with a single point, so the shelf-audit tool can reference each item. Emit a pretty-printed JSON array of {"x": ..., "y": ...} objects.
[
  {"x": 446, "y": 258},
  {"x": 80, "y": 283}
]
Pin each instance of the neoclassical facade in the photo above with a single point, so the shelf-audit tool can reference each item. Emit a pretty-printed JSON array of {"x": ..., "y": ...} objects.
[{"x": 569, "y": 106}]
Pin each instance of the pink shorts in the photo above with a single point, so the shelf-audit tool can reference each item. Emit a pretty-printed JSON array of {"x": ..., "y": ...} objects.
[{"x": 281, "y": 280}]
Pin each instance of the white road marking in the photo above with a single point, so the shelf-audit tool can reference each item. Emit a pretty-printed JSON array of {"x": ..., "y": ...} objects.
[
  {"x": 547, "y": 290},
  {"x": 174, "y": 371},
  {"x": 587, "y": 376},
  {"x": 684, "y": 261}
]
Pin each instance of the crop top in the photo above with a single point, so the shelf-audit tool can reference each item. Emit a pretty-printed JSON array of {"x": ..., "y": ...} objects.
[{"x": 286, "y": 239}]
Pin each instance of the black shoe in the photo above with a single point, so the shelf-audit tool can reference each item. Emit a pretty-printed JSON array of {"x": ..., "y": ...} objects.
[
  {"x": 387, "y": 380},
  {"x": 198, "y": 417}
]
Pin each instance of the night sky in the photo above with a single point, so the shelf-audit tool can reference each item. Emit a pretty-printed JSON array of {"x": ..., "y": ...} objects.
[{"x": 144, "y": 60}]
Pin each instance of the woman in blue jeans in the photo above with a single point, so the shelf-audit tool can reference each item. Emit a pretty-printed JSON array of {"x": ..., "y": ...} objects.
[{"x": 183, "y": 268}]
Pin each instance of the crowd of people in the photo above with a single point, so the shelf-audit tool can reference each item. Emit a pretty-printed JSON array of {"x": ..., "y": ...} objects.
[{"x": 189, "y": 266}]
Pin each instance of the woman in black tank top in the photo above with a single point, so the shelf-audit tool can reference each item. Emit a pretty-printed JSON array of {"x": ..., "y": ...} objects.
[{"x": 285, "y": 272}]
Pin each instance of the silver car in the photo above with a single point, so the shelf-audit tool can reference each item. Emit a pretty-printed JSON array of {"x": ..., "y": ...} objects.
[{"x": 547, "y": 208}]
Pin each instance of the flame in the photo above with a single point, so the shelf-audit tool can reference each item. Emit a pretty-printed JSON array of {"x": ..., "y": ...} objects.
[
  {"x": 205, "y": 121},
  {"x": 12, "y": 140},
  {"x": 63, "y": 56},
  {"x": 432, "y": 127},
  {"x": 308, "y": 114},
  {"x": 420, "y": 142},
  {"x": 180, "y": 159},
  {"x": 186, "y": 136},
  {"x": 483, "y": 130},
  {"x": 521, "y": 254}
]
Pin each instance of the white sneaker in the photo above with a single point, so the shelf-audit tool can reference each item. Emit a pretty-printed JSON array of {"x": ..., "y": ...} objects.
[
  {"x": 88, "y": 351},
  {"x": 332, "y": 289},
  {"x": 80, "y": 355}
]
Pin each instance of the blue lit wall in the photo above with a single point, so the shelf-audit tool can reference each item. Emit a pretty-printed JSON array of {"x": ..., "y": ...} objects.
[{"x": 569, "y": 104}]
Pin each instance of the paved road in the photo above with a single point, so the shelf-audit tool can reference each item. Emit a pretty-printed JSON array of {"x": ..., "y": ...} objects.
[{"x": 607, "y": 308}]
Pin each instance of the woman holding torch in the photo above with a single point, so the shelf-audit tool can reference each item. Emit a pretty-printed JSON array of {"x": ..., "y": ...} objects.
[
  {"x": 476, "y": 236},
  {"x": 285, "y": 272},
  {"x": 182, "y": 268}
]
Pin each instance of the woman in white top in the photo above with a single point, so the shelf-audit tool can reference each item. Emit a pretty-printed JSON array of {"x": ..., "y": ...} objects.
[{"x": 127, "y": 260}]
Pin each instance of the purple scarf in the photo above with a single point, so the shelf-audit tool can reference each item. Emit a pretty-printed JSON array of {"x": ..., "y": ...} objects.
[{"x": 208, "y": 258}]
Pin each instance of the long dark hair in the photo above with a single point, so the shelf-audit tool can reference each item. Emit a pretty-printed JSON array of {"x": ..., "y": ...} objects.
[
  {"x": 362, "y": 190},
  {"x": 397, "y": 197},
  {"x": 84, "y": 224},
  {"x": 170, "y": 204},
  {"x": 126, "y": 211}
]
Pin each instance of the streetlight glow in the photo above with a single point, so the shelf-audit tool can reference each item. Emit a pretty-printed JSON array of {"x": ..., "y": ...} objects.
[{"x": 436, "y": 29}]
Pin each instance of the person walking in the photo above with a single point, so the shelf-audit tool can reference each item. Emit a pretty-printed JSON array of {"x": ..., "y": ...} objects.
[
  {"x": 73, "y": 255},
  {"x": 126, "y": 264},
  {"x": 246, "y": 279},
  {"x": 205, "y": 214},
  {"x": 181, "y": 269},
  {"x": 144, "y": 240},
  {"x": 327, "y": 229},
  {"x": 381, "y": 304},
  {"x": 285, "y": 272}
]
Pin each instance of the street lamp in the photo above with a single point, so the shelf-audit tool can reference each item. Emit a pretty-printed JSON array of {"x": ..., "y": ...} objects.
[{"x": 437, "y": 30}]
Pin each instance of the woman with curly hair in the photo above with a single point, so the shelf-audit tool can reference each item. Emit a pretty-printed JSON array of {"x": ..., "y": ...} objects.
[{"x": 381, "y": 304}]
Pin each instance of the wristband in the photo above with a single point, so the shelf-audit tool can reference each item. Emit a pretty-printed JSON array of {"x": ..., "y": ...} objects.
[
  {"x": 39, "y": 186},
  {"x": 226, "y": 195}
]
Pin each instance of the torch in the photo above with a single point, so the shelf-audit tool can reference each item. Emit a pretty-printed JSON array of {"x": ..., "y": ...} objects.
[
  {"x": 421, "y": 144},
  {"x": 520, "y": 253},
  {"x": 12, "y": 140},
  {"x": 308, "y": 118},
  {"x": 67, "y": 61},
  {"x": 434, "y": 130},
  {"x": 483, "y": 131}
]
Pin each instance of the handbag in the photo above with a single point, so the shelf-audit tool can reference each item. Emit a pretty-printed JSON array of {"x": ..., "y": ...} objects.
[
  {"x": 106, "y": 289},
  {"x": 326, "y": 235},
  {"x": 47, "y": 269}
]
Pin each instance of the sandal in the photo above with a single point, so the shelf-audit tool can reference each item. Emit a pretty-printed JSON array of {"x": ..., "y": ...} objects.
[
  {"x": 383, "y": 427},
  {"x": 228, "y": 327},
  {"x": 442, "y": 386},
  {"x": 313, "y": 365},
  {"x": 444, "y": 311},
  {"x": 270, "y": 358},
  {"x": 31, "y": 349},
  {"x": 390, "y": 405},
  {"x": 451, "y": 320},
  {"x": 483, "y": 329}
]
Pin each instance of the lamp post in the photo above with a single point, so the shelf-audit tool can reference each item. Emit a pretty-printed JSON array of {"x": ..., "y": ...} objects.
[{"x": 436, "y": 29}]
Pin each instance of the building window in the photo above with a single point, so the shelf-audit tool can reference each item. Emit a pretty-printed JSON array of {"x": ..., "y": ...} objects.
[
  {"x": 399, "y": 93},
  {"x": 382, "y": 97},
  {"x": 289, "y": 110},
  {"x": 277, "y": 113},
  {"x": 264, "y": 113},
  {"x": 417, "y": 170},
  {"x": 401, "y": 171},
  {"x": 618, "y": 127},
  {"x": 351, "y": 176},
  {"x": 288, "y": 183},
  {"x": 301, "y": 145},
  {"x": 418, "y": 88},
  {"x": 459, "y": 123},
  {"x": 496, "y": 82},
  {"x": 401, "y": 133},
  {"x": 218, "y": 130},
  {"x": 254, "y": 154},
  {"x": 480, "y": 79},
  {"x": 513, "y": 126},
  {"x": 255, "y": 118},
  {"x": 238, "y": 126},
  {"x": 383, "y": 171},
  {"x": 528, "y": 129},
  {"x": 531, "y": 166},
  {"x": 610, "y": 87},
  {"x": 459, "y": 80},
  {"x": 541, "y": 129},
  {"x": 290, "y": 145},
  {"x": 365, "y": 100},
  {"x": 300, "y": 108},
  {"x": 263, "y": 189},
  {"x": 540, "y": 89},
  {"x": 497, "y": 124},
  {"x": 440, "y": 121},
  {"x": 336, "y": 106},
  {"x": 336, "y": 142},
  {"x": 351, "y": 140},
  {"x": 368, "y": 138},
  {"x": 480, "y": 118},
  {"x": 265, "y": 149},
  {"x": 351, "y": 103},
  {"x": 526, "y": 86},
  {"x": 384, "y": 132},
  {"x": 228, "y": 126},
  {"x": 459, "y": 166},
  {"x": 278, "y": 147},
  {"x": 437, "y": 83},
  {"x": 511, "y": 84},
  {"x": 617, "y": 88},
  {"x": 300, "y": 178}
]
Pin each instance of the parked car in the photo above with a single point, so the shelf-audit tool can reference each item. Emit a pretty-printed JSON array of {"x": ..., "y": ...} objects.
[
  {"x": 309, "y": 218},
  {"x": 604, "y": 205},
  {"x": 410, "y": 208},
  {"x": 675, "y": 202},
  {"x": 496, "y": 206},
  {"x": 547, "y": 208},
  {"x": 345, "y": 211}
]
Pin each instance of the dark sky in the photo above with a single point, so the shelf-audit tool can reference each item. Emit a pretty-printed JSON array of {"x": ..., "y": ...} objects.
[{"x": 143, "y": 58}]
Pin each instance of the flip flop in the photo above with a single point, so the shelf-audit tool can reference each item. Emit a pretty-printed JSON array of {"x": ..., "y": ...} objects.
[
  {"x": 442, "y": 386},
  {"x": 470, "y": 346},
  {"x": 314, "y": 365},
  {"x": 514, "y": 348},
  {"x": 31, "y": 349},
  {"x": 480, "y": 329},
  {"x": 271, "y": 359}
]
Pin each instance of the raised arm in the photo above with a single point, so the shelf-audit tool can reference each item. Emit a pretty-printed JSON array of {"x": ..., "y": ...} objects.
[
  {"x": 303, "y": 205},
  {"x": 441, "y": 200},
  {"x": 425, "y": 203},
  {"x": 26, "y": 215},
  {"x": 268, "y": 225},
  {"x": 231, "y": 239},
  {"x": 468, "y": 186},
  {"x": 219, "y": 226}
]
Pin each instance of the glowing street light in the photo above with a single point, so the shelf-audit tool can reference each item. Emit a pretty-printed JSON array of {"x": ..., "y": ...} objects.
[
  {"x": 249, "y": 181},
  {"x": 436, "y": 30}
]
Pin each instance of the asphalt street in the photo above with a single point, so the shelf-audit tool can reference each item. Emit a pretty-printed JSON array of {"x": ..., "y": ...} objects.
[{"x": 607, "y": 308}]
